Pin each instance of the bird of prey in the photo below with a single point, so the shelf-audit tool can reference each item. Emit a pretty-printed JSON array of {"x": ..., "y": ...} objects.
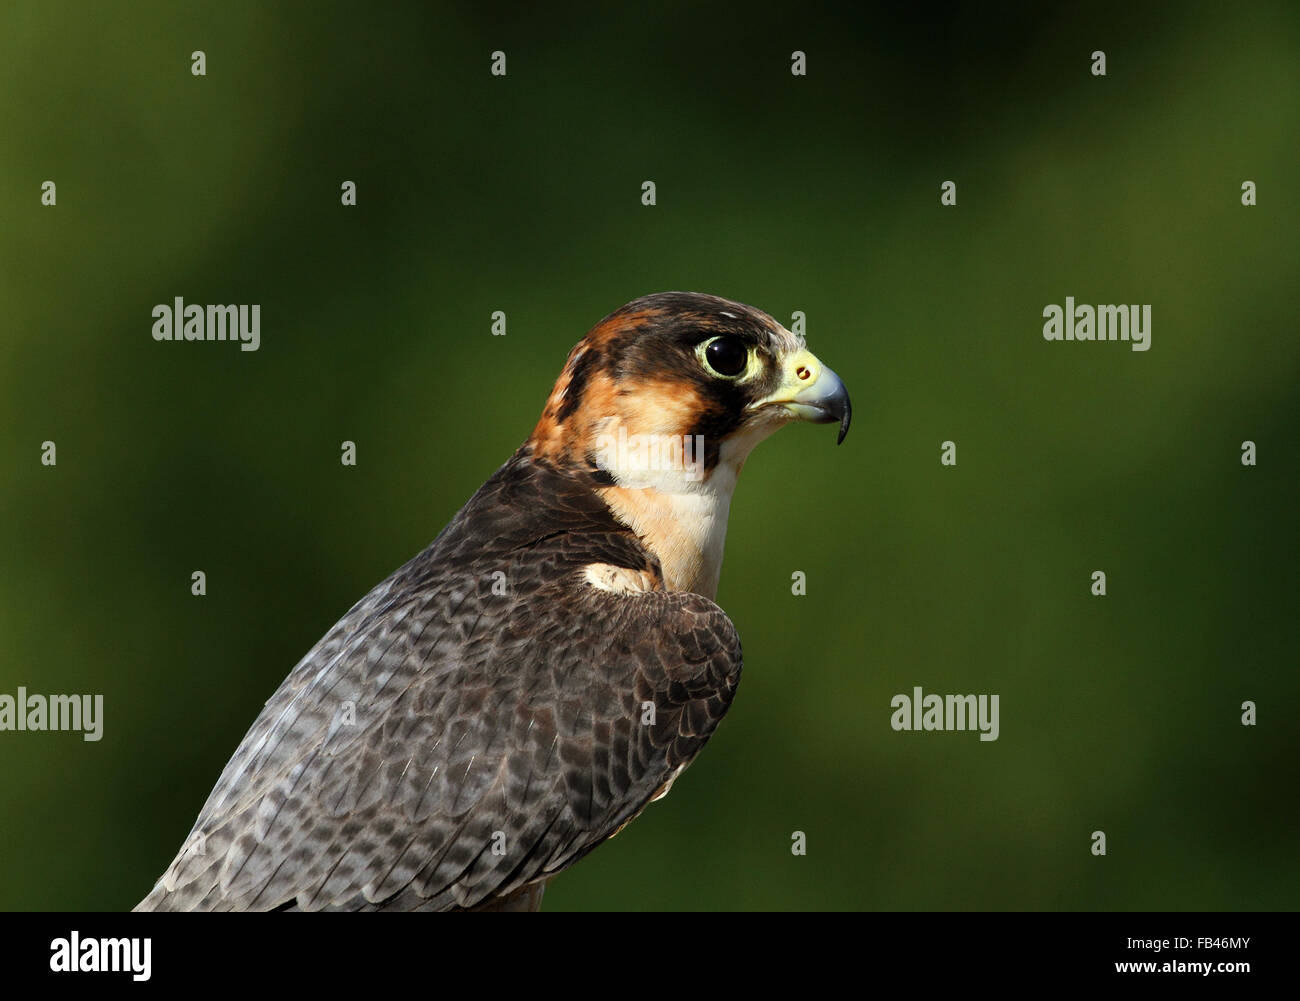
[{"x": 520, "y": 690}]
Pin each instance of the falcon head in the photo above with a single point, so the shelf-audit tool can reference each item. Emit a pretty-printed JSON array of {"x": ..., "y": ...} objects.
[
  {"x": 660, "y": 405},
  {"x": 686, "y": 364}
]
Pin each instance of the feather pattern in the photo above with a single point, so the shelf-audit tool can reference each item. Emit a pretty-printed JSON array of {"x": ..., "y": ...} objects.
[{"x": 448, "y": 746}]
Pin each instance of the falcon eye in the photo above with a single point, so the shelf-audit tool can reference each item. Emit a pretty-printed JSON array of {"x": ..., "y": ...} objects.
[{"x": 726, "y": 355}]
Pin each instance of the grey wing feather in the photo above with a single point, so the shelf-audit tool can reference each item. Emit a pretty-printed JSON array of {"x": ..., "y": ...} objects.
[{"x": 445, "y": 746}]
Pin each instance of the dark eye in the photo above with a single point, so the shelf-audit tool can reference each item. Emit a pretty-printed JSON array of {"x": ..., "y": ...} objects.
[{"x": 726, "y": 355}]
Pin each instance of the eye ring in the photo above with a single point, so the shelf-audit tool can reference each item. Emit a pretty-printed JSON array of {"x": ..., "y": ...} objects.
[{"x": 726, "y": 356}]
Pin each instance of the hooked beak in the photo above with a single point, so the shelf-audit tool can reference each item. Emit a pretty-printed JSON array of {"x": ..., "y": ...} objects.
[{"x": 812, "y": 392}]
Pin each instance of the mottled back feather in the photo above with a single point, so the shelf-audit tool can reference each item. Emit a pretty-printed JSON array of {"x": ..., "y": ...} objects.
[{"x": 445, "y": 746}]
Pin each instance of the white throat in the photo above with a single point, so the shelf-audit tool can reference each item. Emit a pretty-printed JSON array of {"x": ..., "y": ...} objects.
[{"x": 679, "y": 513}]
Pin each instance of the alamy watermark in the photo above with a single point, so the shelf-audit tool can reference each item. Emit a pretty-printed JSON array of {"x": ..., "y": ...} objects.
[
  {"x": 76, "y": 954},
  {"x": 946, "y": 712},
  {"x": 1098, "y": 323},
  {"x": 53, "y": 712},
  {"x": 625, "y": 453},
  {"x": 179, "y": 322}
]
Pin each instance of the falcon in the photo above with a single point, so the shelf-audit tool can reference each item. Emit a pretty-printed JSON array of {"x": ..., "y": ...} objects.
[{"x": 519, "y": 691}]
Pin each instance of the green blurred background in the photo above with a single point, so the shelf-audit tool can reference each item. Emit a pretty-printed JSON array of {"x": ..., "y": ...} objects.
[{"x": 818, "y": 194}]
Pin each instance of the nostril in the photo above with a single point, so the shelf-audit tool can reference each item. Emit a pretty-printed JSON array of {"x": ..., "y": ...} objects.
[{"x": 802, "y": 373}]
